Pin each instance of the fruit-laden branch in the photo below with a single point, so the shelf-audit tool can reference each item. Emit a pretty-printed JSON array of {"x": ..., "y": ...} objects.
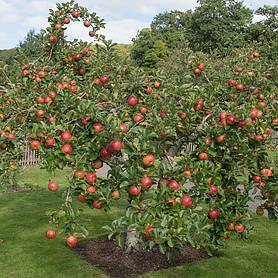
[{"x": 188, "y": 139}]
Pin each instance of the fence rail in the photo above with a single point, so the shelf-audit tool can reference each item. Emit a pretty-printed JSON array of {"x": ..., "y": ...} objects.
[{"x": 29, "y": 158}]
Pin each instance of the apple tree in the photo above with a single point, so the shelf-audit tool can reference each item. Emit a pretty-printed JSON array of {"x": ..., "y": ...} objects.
[{"x": 183, "y": 151}]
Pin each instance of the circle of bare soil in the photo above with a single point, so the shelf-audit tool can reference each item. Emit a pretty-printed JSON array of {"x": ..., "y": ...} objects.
[{"x": 108, "y": 256}]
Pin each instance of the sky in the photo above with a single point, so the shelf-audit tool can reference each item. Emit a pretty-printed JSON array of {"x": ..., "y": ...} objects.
[{"x": 123, "y": 17}]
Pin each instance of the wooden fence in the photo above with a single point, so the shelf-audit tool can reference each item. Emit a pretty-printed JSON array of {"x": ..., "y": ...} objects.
[{"x": 31, "y": 157}]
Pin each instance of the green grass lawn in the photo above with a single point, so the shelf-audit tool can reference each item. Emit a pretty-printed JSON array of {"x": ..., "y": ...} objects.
[{"x": 25, "y": 253}]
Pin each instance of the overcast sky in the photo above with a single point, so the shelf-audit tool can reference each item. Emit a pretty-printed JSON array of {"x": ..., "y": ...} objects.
[{"x": 123, "y": 17}]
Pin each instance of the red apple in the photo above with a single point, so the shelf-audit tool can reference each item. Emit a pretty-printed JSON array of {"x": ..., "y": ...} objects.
[
  {"x": 91, "y": 189},
  {"x": 66, "y": 136},
  {"x": 186, "y": 201},
  {"x": 98, "y": 127},
  {"x": 67, "y": 149},
  {"x": 146, "y": 182},
  {"x": 239, "y": 228},
  {"x": 81, "y": 198},
  {"x": 35, "y": 145},
  {"x": 132, "y": 101},
  {"x": 232, "y": 83},
  {"x": 156, "y": 84},
  {"x": 116, "y": 146},
  {"x": 134, "y": 190},
  {"x": 148, "y": 160},
  {"x": 51, "y": 234},
  {"x": 91, "y": 178},
  {"x": 71, "y": 241},
  {"x": 148, "y": 230},
  {"x": 149, "y": 90},
  {"x": 52, "y": 186},
  {"x": 203, "y": 156},
  {"x": 96, "y": 205},
  {"x": 213, "y": 214},
  {"x": 116, "y": 194},
  {"x": 174, "y": 185}
]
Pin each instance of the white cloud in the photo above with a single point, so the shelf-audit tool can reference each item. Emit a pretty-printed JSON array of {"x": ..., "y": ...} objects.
[
  {"x": 123, "y": 30},
  {"x": 123, "y": 17}
]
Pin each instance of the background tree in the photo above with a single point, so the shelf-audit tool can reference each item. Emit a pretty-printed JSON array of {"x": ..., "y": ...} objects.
[
  {"x": 219, "y": 24},
  {"x": 172, "y": 27}
]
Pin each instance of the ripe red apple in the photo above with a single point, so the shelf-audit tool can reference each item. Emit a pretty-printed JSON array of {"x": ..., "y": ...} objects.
[
  {"x": 51, "y": 234},
  {"x": 104, "y": 78},
  {"x": 87, "y": 23},
  {"x": 266, "y": 172},
  {"x": 40, "y": 113},
  {"x": 230, "y": 226},
  {"x": 138, "y": 118},
  {"x": 146, "y": 182},
  {"x": 156, "y": 84},
  {"x": 75, "y": 13},
  {"x": 66, "y": 20},
  {"x": 91, "y": 189},
  {"x": 149, "y": 90},
  {"x": 96, "y": 205},
  {"x": 92, "y": 33},
  {"x": 213, "y": 214},
  {"x": 81, "y": 198},
  {"x": 35, "y": 145},
  {"x": 79, "y": 174},
  {"x": 52, "y": 186},
  {"x": 275, "y": 121},
  {"x": 124, "y": 128},
  {"x": 197, "y": 71},
  {"x": 163, "y": 114},
  {"x": 116, "y": 146},
  {"x": 40, "y": 100},
  {"x": 67, "y": 149},
  {"x": 239, "y": 228},
  {"x": 220, "y": 139},
  {"x": 148, "y": 160},
  {"x": 186, "y": 201},
  {"x": 143, "y": 109},
  {"x": 58, "y": 26},
  {"x": 91, "y": 178},
  {"x": 203, "y": 156},
  {"x": 208, "y": 140},
  {"x": 53, "y": 39},
  {"x": 105, "y": 153},
  {"x": 116, "y": 194},
  {"x": 240, "y": 87},
  {"x": 132, "y": 101},
  {"x": 97, "y": 164},
  {"x": 149, "y": 228},
  {"x": 71, "y": 241},
  {"x": 213, "y": 189},
  {"x": 257, "y": 179},
  {"x": 201, "y": 66},
  {"x": 134, "y": 190},
  {"x": 174, "y": 185},
  {"x": 66, "y": 136},
  {"x": 52, "y": 94},
  {"x": 230, "y": 119},
  {"x": 232, "y": 83},
  {"x": 98, "y": 127}
]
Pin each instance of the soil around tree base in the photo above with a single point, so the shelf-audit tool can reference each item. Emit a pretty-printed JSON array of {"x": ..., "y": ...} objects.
[{"x": 106, "y": 254}]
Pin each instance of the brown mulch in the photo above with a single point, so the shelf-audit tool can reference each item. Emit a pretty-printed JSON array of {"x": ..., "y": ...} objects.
[{"x": 106, "y": 254}]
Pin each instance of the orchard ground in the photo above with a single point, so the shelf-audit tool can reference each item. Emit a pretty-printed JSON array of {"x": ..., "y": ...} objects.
[{"x": 26, "y": 253}]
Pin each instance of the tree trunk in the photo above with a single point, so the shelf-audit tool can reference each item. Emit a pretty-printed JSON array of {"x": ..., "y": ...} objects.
[{"x": 133, "y": 241}]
